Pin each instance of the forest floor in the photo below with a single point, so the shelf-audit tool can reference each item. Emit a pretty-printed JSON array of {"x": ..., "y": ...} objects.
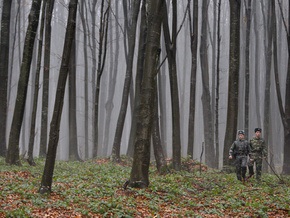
[{"x": 94, "y": 189}]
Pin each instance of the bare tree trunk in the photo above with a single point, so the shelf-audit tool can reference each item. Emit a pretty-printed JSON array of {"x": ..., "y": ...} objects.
[
  {"x": 285, "y": 115},
  {"x": 233, "y": 88},
  {"x": 170, "y": 44},
  {"x": 193, "y": 23},
  {"x": 217, "y": 96},
  {"x": 138, "y": 80},
  {"x": 157, "y": 146},
  {"x": 162, "y": 75},
  {"x": 14, "y": 40},
  {"x": 247, "y": 67},
  {"x": 14, "y": 137},
  {"x": 112, "y": 84},
  {"x": 127, "y": 83},
  {"x": 103, "y": 34},
  {"x": 46, "y": 69},
  {"x": 257, "y": 65},
  {"x": 46, "y": 181},
  {"x": 206, "y": 98},
  {"x": 4, "y": 69},
  {"x": 83, "y": 12},
  {"x": 140, "y": 168},
  {"x": 268, "y": 42},
  {"x": 30, "y": 158},
  {"x": 93, "y": 47},
  {"x": 73, "y": 138},
  {"x": 286, "y": 164}
]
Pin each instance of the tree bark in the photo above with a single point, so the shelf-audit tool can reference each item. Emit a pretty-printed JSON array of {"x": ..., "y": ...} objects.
[
  {"x": 217, "y": 96},
  {"x": 14, "y": 137},
  {"x": 4, "y": 69},
  {"x": 170, "y": 45},
  {"x": 157, "y": 146},
  {"x": 206, "y": 98},
  {"x": 46, "y": 73},
  {"x": 268, "y": 46},
  {"x": 193, "y": 23},
  {"x": 30, "y": 158},
  {"x": 127, "y": 83},
  {"x": 138, "y": 80},
  {"x": 103, "y": 35},
  {"x": 233, "y": 83},
  {"x": 140, "y": 168},
  {"x": 46, "y": 181},
  {"x": 82, "y": 12},
  {"x": 285, "y": 115},
  {"x": 112, "y": 83},
  {"x": 73, "y": 137},
  {"x": 247, "y": 67}
]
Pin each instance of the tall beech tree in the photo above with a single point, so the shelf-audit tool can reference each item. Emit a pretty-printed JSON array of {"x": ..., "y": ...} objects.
[
  {"x": 132, "y": 28},
  {"x": 170, "y": 45},
  {"x": 140, "y": 168},
  {"x": 233, "y": 87},
  {"x": 4, "y": 68},
  {"x": 46, "y": 73},
  {"x": 206, "y": 97},
  {"x": 284, "y": 111},
  {"x": 14, "y": 137},
  {"x": 193, "y": 24},
  {"x": 30, "y": 158},
  {"x": 46, "y": 181}
]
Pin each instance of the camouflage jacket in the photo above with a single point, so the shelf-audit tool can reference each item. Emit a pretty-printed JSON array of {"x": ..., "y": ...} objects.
[
  {"x": 258, "y": 148},
  {"x": 240, "y": 147}
]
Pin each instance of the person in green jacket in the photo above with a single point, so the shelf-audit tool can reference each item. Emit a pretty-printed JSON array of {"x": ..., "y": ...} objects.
[
  {"x": 239, "y": 151},
  {"x": 257, "y": 153}
]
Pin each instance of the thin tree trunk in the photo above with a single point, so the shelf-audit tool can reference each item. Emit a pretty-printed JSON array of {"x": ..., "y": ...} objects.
[
  {"x": 162, "y": 103},
  {"x": 206, "y": 98},
  {"x": 233, "y": 87},
  {"x": 268, "y": 42},
  {"x": 112, "y": 83},
  {"x": 4, "y": 69},
  {"x": 170, "y": 45},
  {"x": 257, "y": 65},
  {"x": 30, "y": 158},
  {"x": 14, "y": 137},
  {"x": 46, "y": 181},
  {"x": 46, "y": 72},
  {"x": 86, "y": 66},
  {"x": 193, "y": 45},
  {"x": 217, "y": 96},
  {"x": 286, "y": 114},
  {"x": 157, "y": 146},
  {"x": 127, "y": 83},
  {"x": 247, "y": 67},
  {"x": 103, "y": 35},
  {"x": 73, "y": 138}
]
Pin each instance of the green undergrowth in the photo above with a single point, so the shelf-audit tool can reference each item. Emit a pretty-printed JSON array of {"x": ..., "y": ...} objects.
[{"x": 94, "y": 189}]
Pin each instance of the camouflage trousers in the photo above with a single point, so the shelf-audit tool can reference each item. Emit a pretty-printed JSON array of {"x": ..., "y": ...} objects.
[
  {"x": 257, "y": 161},
  {"x": 241, "y": 167}
]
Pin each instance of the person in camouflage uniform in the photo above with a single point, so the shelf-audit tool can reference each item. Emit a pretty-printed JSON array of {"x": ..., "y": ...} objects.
[
  {"x": 257, "y": 153},
  {"x": 239, "y": 151}
]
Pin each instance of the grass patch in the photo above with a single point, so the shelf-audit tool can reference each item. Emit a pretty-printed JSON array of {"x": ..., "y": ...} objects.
[{"x": 94, "y": 189}]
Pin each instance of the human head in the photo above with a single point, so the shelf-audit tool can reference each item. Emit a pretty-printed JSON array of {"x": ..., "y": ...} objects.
[
  {"x": 241, "y": 134},
  {"x": 258, "y": 132}
]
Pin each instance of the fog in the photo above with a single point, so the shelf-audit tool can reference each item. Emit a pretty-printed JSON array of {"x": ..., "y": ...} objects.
[{"x": 183, "y": 70}]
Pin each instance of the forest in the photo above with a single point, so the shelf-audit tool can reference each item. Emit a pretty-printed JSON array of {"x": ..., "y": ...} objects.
[{"x": 155, "y": 81}]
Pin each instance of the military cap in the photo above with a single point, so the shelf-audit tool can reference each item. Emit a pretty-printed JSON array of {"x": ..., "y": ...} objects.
[
  {"x": 258, "y": 129},
  {"x": 241, "y": 132}
]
